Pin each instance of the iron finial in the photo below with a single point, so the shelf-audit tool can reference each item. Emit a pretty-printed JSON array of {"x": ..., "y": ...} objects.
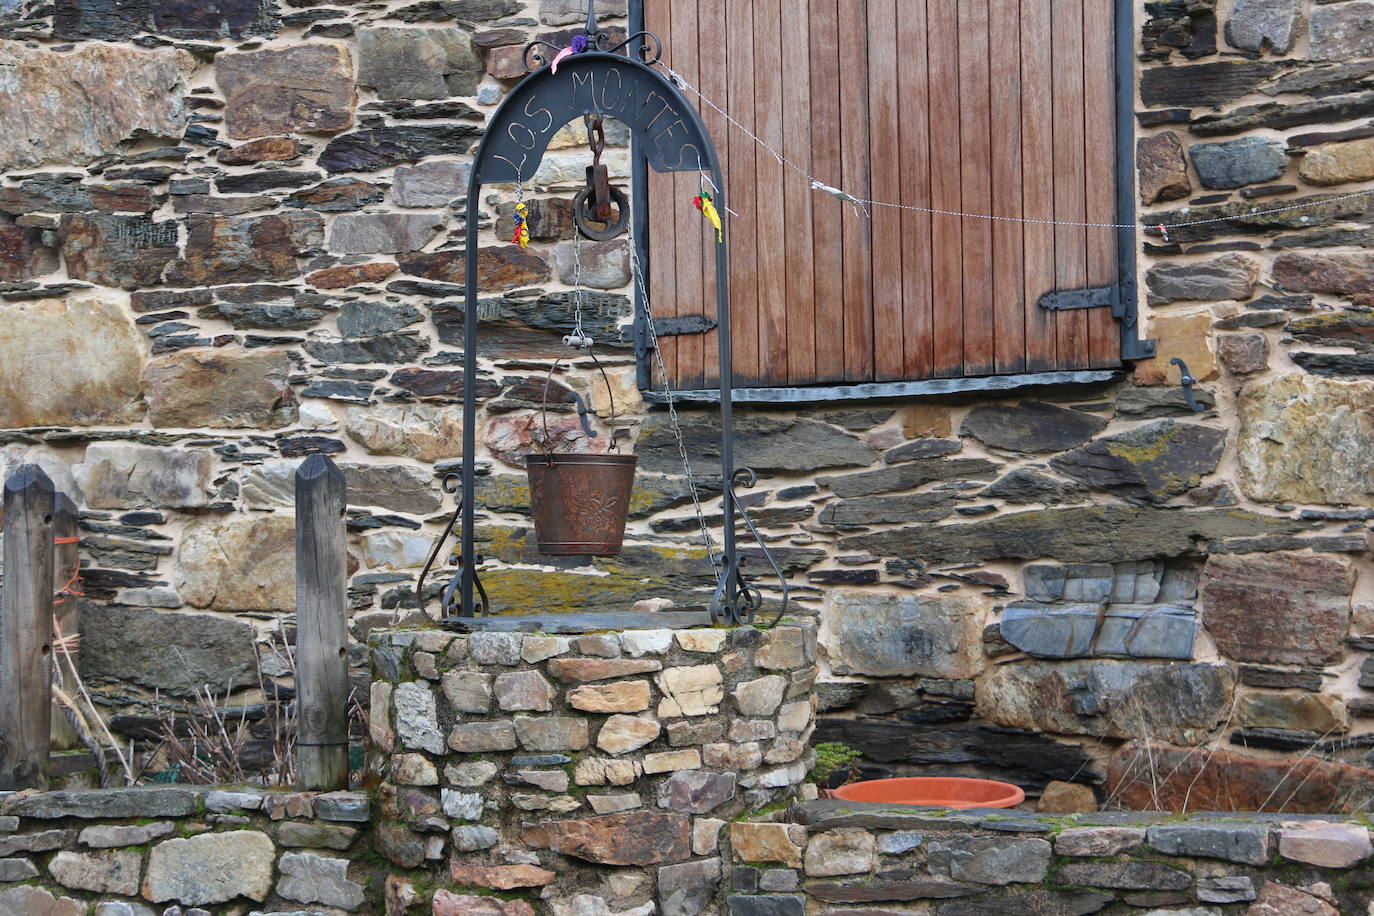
[{"x": 591, "y": 20}]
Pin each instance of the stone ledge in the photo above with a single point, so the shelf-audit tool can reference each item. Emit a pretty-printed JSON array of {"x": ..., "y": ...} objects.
[{"x": 581, "y": 623}]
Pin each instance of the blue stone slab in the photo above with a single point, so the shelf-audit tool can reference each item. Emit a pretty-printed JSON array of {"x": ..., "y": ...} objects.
[{"x": 1093, "y": 630}]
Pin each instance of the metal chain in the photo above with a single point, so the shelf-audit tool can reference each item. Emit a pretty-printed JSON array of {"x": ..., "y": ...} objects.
[
  {"x": 637, "y": 270},
  {"x": 577, "y": 286}
]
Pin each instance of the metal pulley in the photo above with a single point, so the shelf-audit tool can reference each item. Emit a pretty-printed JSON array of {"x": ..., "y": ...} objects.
[{"x": 601, "y": 211}]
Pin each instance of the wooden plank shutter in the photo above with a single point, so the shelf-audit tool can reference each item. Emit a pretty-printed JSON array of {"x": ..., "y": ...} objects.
[{"x": 998, "y": 107}]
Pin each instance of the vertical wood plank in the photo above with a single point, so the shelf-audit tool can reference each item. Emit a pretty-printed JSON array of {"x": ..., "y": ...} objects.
[
  {"x": 797, "y": 209},
  {"x": 1070, "y": 242},
  {"x": 662, "y": 242},
  {"x": 711, "y": 51},
  {"x": 889, "y": 360},
  {"x": 946, "y": 231},
  {"x": 768, "y": 182},
  {"x": 321, "y": 631},
  {"x": 854, "y": 157},
  {"x": 918, "y": 316},
  {"x": 687, "y": 219},
  {"x": 1099, "y": 93},
  {"x": 828, "y": 213},
  {"x": 975, "y": 179},
  {"x": 1008, "y": 276},
  {"x": 26, "y": 629},
  {"x": 744, "y": 299},
  {"x": 66, "y": 561},
  {"x": 1037, "y": 186}
]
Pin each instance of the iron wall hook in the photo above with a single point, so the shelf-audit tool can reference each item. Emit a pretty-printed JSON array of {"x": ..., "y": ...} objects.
[{"x": 1187, "y": 381}]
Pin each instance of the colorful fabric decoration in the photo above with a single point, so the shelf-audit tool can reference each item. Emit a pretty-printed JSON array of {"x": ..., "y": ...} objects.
[
  {"x": 708, "y": 209},
  {"x": 579, "y": 44},
  {"x": 522, "y": 232}
]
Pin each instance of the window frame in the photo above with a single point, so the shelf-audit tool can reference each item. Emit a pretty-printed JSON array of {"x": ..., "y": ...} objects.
[{"x": 1123, "y": 297}]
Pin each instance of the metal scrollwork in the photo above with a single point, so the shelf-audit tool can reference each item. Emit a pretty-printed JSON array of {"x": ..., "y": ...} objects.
[
  {"x": 736, "y": 596},
  {"x": 450, "y": 598}
]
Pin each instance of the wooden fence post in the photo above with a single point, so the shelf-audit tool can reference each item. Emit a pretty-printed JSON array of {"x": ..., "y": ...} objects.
[
  {"x": 321, "y": 610},
  {"x": 26, "y": 629},
  {"x": 66, "y": 559}
]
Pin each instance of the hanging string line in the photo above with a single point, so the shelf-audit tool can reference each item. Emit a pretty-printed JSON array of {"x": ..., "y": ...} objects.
[{"x": 860, "y": 203}]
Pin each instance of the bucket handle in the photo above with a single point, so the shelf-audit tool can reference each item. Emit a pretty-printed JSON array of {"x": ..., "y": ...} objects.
[{"x": 546, "y": 446}]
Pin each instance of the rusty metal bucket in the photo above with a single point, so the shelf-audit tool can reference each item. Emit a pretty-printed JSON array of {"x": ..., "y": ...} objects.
[{"x": 580, "y": 502}]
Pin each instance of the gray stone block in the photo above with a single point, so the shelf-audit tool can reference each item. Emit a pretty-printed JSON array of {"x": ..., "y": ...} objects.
[{"x": 1248, "y": 843}]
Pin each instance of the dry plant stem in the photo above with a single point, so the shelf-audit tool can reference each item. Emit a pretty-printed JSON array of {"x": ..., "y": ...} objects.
[{"x": 125, "y": 762}]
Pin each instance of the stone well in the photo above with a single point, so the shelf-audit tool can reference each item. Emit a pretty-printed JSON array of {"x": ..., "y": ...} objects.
[{"x": 584, "y": 771}]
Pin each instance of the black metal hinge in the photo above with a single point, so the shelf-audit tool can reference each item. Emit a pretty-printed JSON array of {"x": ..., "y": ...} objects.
[
  {"x": 683, "y": 324},
  {"x": 1090, "y": 298}
]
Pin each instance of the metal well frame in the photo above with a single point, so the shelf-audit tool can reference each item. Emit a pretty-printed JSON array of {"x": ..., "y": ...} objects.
[{"x": 669, "y": 136}]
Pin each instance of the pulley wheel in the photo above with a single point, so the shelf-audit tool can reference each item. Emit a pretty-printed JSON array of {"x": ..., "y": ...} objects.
[{"x": 584, "y": 215}]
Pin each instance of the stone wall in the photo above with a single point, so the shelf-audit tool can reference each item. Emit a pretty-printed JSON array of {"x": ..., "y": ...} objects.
[
  {"x": 595, "y": 773},
  {"x": 248, "y": 253},
  {"x": 156, "y": 850},
  {"x": 983, "y": 863}
]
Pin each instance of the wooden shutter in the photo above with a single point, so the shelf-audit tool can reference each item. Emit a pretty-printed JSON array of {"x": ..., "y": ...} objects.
[{"x": 1001, "y": 107}]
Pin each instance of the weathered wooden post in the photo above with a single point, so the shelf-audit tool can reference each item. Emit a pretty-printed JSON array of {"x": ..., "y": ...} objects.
[
  {"x": 321, "y": 608},
  {"x": 66, "y": 560},
  {"x": 26, "y": 629}
]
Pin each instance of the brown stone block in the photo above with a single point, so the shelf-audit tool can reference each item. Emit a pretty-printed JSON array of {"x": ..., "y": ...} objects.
[
  {"x": 219, "y": 388},
  {"x": 307, "y": 87},
  {"x": 627, "y": 838},
  {"x": 579, "y": 670},
  {"x": 267, "y": 149},
  {"x": 501, "y": 877},
  {"x": 1163, "y": 171},
  {"x": 346, "y": 275}
]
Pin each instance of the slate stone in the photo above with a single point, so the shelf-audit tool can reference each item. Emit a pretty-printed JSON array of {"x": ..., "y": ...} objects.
[
  {"x": 990, "y": 860},
  {"x": 766, "y": 905},
  {"x": 1335, "y": 365},
  {"x": 256, "y": 182},
  {"x": 101, "y": 353},
  {"x": 1189, "y": 27},
  {"x": 696, "y": 791},
  {"x": 222, "y": 249},
  {"x": 873, "y": 510},
  {"x": 133, "y": 644},
  {"x": 104, "y": 804},
  {"x": 1079, "y": 534},
  {"x": 302, "y": 88},
  {"x": 1231, "y": 276},
  {"x": 218, "y": 388},
  {"x": 1236, "y": 163},
  {"x": 1243, "y": 218},
  {"x": 383, "y": 233},
  {"x": 404, "y": 63},
  {"x": 114, "y": 250},
  {"x": 378, "y": 148},
  {"x": 1163, "y": 170},
  {"x": 1031, "y": 426},
  {"x": 1280, "y": 608},
  {"x": 310, "y": 878},
  {"x": 76, "y": 106},
  {"x": 688, "y": 889},
  {"x": 762, "y": 442},
  {"x": 336, "y": 195},
  {"x": 1148, "y": 464},
  {"x": 431, "y": 184},
  {"x": 128, "y": 475},
  {"x": 1279, "y": 116},
  {"x": 1124, "y": 875},
  {"x": 548, "y": 219},
  {"x": 900, "y": 635},
  {"x": 1246, "y": 843},
  {"x": 1176, "y": 702},
  {"x": 1244, "y": 354},
  {"x": 368, "y": 319},
  {"x": 1260, "y": 25},
  {"x": 389, "y": 486},
  {"x": 1022, "y": 486},
  {"x": 1209, "y": 85},
  {"x": 1280, "y": 678},
  {"x": 1342, "y": 32},
  {"x": 1038, "y": 902},
  {"x": 599, "y": 265},
  {"x": 628, "y": 838},
  {"x": 23, "y": 255},
  {"x": 383, "y": 348},
  {"x": 1147, "y": 403},
  {"x": 1075, "y": 631}
]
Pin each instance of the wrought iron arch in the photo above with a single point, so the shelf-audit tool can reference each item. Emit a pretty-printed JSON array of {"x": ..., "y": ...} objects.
[{"x": 670, "y": 135}]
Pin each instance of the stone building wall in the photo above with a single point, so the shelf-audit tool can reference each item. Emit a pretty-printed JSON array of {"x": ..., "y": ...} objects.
[{"x": 227, "y": 241}]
